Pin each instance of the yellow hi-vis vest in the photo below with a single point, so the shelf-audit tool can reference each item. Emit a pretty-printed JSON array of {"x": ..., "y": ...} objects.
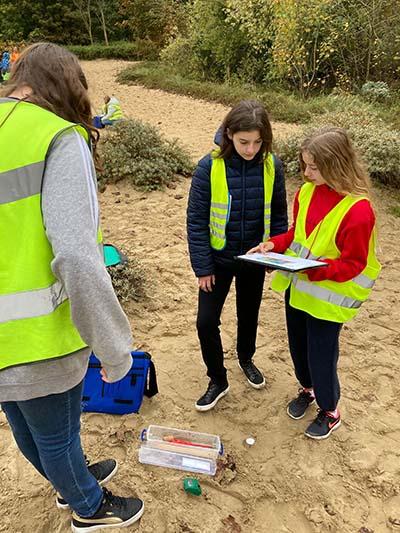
[
  {"x": 117, "y": 114},
  {"x": 35, "y": 318},
  {"x": 327, "y": 300},
  {"x": 221, "y": 199}
]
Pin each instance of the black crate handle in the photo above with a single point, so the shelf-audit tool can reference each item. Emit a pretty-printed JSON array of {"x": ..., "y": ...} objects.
[{"x": 151, "y": 386}]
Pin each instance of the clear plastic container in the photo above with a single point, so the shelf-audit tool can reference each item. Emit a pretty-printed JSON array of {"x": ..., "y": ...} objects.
[{"x": 180, "y": 449}]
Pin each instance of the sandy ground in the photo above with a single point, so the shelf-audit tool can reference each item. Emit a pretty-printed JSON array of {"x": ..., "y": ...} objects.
[{"x": 285, "y": 483}]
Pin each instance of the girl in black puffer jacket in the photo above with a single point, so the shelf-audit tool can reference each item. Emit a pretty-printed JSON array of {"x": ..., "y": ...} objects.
[{"x": 237, "y": 199}]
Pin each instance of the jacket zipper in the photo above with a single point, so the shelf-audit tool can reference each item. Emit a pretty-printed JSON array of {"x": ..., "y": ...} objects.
[{"x": 243, "y": 205}]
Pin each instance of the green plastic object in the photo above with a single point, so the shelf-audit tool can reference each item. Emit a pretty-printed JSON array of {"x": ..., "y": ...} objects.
[
  {"x": 190, "y": 484},
  {"x": 113, "y": 256}
]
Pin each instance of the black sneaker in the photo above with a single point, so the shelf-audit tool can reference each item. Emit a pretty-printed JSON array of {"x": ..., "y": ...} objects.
[
  {"x": 253, "y": 375},
  {"x": 211, "y": 397},
  {"x": 102, "y": 471},
  {"x": 297, "y": 408},
  {"x": 114, "y": 511},
  {"x": 322, "y": 426}
]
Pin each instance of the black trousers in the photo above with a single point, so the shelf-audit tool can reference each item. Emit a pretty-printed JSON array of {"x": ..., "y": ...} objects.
[
  {"x": 314, "y": 347},
  {"x": 249, "y": 282}
]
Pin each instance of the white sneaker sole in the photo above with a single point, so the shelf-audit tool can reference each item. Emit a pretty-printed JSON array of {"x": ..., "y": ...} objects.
[
  {"x": 203, "y": 408},
  {"x": 254, "y": 385},
  {"x": 65, "y": 506},
  {"x": 323, "y": 436},
  {"x": 94, "y": 527},
  {"x": 299, "y": 417}
]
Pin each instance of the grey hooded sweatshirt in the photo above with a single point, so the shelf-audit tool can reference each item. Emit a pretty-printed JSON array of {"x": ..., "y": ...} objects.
[{"x": 71, "y": 215}]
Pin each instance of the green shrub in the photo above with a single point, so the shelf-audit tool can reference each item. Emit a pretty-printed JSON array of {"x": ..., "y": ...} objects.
[
  {"x": 178, "y": 55},
  {"x": 378, "y": 145},
  {"x": 376, "y": 91},
  {"x": 138, "y": 50},
  {"x": 136, "y": 152}
]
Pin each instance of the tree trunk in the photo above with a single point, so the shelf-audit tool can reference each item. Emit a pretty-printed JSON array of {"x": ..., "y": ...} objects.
[
  {"x": 89, "y": 22},
  {"x": 103, "y": 23}
]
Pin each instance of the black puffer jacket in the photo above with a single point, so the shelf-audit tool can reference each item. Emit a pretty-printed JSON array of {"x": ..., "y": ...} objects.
[{"x": 245, "y": 227}]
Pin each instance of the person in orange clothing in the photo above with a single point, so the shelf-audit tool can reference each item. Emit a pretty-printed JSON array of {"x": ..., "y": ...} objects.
[{"x": 14, "y": 55}]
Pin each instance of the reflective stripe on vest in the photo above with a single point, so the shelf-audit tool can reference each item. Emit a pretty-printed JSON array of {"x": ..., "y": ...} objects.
[
  {"x": 35, "y": 318},
  {"x": 29, "y": 304},
  {"x": 328, "y": 300},
  {"x": 221, "y": 200},
  {"x": 29, "y": 179}
]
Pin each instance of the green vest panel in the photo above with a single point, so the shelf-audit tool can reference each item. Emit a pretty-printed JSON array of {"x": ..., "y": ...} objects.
[
  {"x": 327, "y": 300},
  {"x": 221, "y": 200},
  {"x": 35, "y": 319}
]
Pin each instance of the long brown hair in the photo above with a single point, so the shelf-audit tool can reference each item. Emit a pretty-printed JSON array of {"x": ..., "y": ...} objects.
[
  {"x": 247, "y": 115},
  {"x": 337, "y": 161},
  {"x": 58, "y": 84}
]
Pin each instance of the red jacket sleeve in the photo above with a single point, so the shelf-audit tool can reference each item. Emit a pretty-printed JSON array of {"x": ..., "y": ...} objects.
[
  {"x": 352, "y": 240},
  {"x": 284, "y": 240}
]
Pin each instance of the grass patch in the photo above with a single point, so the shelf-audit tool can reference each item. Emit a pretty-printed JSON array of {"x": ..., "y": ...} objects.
[
  {"x": 281, "y": 105},
  {"x": 135, "y": 51},
  {"x": 395, "y": 211}
]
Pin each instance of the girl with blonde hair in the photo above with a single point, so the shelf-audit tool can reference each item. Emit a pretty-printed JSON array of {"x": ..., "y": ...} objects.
[{"x": 333, "y": 221}]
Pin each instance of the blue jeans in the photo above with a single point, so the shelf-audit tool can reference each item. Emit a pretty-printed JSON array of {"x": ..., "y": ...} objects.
[
  {"x": 107, "y": 122},
  {"x": 46, "y": 431}
]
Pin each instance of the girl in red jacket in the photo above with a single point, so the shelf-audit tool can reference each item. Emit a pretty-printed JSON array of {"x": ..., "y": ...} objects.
[{"x": 333, "y": 221}]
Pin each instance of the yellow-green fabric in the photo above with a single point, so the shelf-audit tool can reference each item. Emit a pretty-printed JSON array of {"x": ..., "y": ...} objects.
[
  {"x": 35, "y": 320},
  {"x": 117, "y": 113},
  {"x": 221, "y": 199},
  {"x": 327, "y": 300}
]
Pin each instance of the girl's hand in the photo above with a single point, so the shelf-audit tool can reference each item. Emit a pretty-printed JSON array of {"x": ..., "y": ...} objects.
[
  {"x": 104, "y": 376},
  {"x": 206, "y": 282},
  {"x": 262, "y": 248}
]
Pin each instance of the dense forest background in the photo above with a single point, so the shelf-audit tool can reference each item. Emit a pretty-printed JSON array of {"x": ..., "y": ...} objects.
[
  {"x": 310, "y": 62},
  {"x": 309, "y": 46}
]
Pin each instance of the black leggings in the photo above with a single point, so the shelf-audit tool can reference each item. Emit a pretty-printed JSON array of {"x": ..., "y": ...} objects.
[
  {"x": 314, "y": 347},
  {"x": 249, "y": 282}
]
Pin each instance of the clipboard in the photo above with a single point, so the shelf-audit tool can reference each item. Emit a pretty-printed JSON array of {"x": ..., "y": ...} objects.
[{"x": 276, "y": 261}]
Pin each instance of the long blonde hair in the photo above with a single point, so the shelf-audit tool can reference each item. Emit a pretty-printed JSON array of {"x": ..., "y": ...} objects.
[{"x": 337, "y": 161}]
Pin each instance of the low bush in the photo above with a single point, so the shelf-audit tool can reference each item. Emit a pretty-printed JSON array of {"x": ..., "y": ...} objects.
[
  {"x": 136, "y": 152},
  {"x": 136, "y": 51},
  {"x": 376, "y": 91},
  {"x": 129, "y": 281},
  {"x": 378, "y": 145}
]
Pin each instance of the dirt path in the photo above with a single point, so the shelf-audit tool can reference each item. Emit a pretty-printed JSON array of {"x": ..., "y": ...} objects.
[
  {"x": 285, "y": 483},
  {"x": 181, "y": 117}
]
